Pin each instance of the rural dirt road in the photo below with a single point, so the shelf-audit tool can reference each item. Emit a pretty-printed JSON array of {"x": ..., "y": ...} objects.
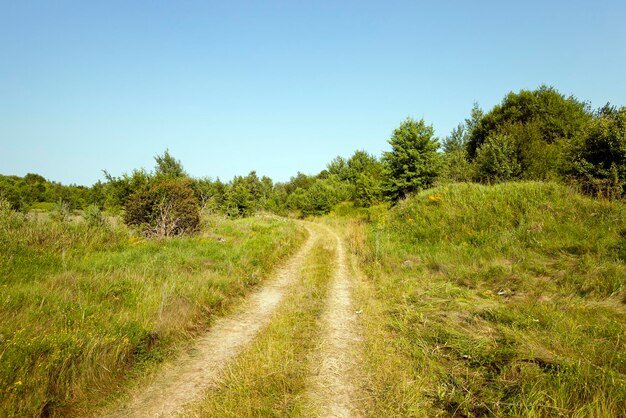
[
  {"x": 333, "y": 389},
  {"x": 190, "y": 377}
]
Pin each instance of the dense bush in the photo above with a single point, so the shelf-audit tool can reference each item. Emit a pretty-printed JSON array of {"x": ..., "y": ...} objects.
[
  {"x": 599, "y": 157},
  {"x": 497, "y": 160},
  {"x": 165, "y": 207},
  {"x": 367, "y": 190},
  {"x": 33, "y": 191},
  {"x": 555, "y": 116},
  {"x": 239, "y": 201},
  {"x": 533, "y": 128}
]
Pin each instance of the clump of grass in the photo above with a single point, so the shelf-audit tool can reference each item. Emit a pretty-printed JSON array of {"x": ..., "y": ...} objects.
[
  {"x": 94, "y": 216},
  {"x": 81, "y": 306},
  {"x": 498, "y": 300}
]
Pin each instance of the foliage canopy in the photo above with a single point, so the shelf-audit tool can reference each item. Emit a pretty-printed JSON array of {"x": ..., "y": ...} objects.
[{"x": 413, "y": 163}]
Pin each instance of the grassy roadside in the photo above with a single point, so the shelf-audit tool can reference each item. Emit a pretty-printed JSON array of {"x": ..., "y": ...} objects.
[
  {"x": 385, "y": 385},
  {"x": 82, "y": 307},
  {"x": 269, "y": 378},
  {"x": 506, "y": 300}
]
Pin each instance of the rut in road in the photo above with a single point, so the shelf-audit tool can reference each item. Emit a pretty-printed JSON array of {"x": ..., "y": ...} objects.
[
  {"x": 187, "y": 378},
  {"x": 333, "y": 388}
]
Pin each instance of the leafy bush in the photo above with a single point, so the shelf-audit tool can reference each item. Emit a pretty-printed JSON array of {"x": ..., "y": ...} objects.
[
  {"x": 239, "y": 201},
  {"x": 555, "y": 116},
  {"x": 166, "y": 207},
  {"x": 367, "y": 190},
  {"x": 600, "y": 156},
  {"x": 456, "y": 167},
  {"x": 497, "y": 160}
]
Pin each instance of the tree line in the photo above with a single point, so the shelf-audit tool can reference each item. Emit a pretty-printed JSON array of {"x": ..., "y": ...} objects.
[{"x": 531, "y": 135}]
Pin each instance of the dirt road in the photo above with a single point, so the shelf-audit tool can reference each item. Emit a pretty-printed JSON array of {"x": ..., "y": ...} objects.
[{"x": 190, "y": 377}]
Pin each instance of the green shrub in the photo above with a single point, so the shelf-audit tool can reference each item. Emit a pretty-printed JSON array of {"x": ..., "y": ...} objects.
[
  {"x": 599, "y": 158},
  {"x": 61, "y": 211},
  {"x": 239, "y": 202},
  {"x": 367, "y": 190},
  {"x": 497, "y": 160},
  {"x": 166, "y": 207},
  {"x": 93, "y": 216},
  {"x": 42, "y": 206}
]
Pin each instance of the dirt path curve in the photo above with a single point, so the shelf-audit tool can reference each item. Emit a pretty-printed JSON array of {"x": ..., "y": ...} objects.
[
  {"x": 332, "y": 384},
  {"x": 186, "y": 379}
]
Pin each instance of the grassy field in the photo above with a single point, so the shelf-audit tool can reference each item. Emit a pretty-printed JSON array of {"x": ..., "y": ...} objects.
[
  {"x": 82, "y": 307},
  {"x": 506, "y": 300}
]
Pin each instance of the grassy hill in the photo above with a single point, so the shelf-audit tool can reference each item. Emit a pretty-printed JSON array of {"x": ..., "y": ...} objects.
[{"x": 506, "y": 300}]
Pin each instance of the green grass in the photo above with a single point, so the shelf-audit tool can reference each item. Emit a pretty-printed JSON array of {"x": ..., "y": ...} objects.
[
  {"x": 269, "y": 378},
  {"x": 495, "y": 300},
  {"x": 82, "y": 308}
]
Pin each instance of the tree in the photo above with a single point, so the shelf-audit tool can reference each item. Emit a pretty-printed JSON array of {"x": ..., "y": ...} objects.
[
  {"x": 413, "y": 163},
  {"x": 365, "y": 178},
  {"x": 539, "y": 126},
  {"x": 168, "y": 166},
  {"x": 362, "y": 162},
  {"x": 300, "y": 181},
  {"x": 119, "y": 189},
  {"x": 239, "y": 201},
  {"x": 599, "y": 157},
  {"x": 338, "y": 167},
  {"x": 456, "y": 165},
  {"x": 322, "y": 196},
  {"x": 367, "y": 190},
  {"x": 456, "y": 140},
  {"x": 557, "y": 117},
  {"x": 476, "y": 115}
]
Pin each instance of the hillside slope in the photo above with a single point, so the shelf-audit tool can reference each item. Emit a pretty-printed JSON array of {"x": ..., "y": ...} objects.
[{"x": 505, "y": 300}]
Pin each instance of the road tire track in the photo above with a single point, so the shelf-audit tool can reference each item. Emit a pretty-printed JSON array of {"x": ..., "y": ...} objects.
[{"x": 333, "y": 389}]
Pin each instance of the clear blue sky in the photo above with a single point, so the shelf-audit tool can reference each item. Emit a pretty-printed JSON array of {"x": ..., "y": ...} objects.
[{"x": 276, "y": 86}]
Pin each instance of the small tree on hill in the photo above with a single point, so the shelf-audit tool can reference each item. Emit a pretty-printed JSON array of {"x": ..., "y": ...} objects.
[
  {"x": 413, "y": 163},
  {"x": 539, "y": 125}
]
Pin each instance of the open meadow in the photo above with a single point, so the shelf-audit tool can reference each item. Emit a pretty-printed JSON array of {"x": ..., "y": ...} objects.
[{"x": 84, "y": 308}]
